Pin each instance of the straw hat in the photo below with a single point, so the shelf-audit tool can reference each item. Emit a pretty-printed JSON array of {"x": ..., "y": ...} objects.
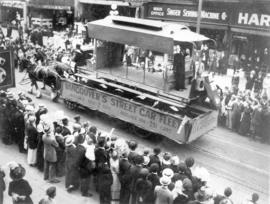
[{"x": 165, "y": 181}]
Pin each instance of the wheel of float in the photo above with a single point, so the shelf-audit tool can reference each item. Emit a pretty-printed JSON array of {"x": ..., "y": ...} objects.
[{"x": 139, "y": 132}]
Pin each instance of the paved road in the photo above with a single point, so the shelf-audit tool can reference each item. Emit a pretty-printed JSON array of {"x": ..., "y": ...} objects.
[{"x": 231, "y": 159}]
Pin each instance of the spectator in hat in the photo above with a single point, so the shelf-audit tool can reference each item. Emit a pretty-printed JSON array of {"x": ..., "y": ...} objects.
[
  {"x": 81, "y": 164},
  {"x": 50, "y": 157},
  {"x": 143, "y": 187},
  {"x": 166, "y": 160},
  {"x": 71, "y": 177},
  {"x": 102, "y": 158},
  {"x": 225, "y": 198},
  {"x": 124, "y": 177},
  {"x": 105, "y": 180},
  {"x": 188, "y": 188},
  {"x": 253, "y": 200},
  {"x": 41, "y": 110},
  {"x": 50, "y": 195},
  {"x": 66, "y": 130},
  {"x": 132, "y": 151},
  {"x": 116, "y": 186},
  {"x": 2, "y": 185},
  {"x": 189, "y": 163},
  {"x": 40, "y": 146},
  {"x": 154, "y": 158},
  {"x": 77, "y": 119},
  {"x": 154, "y": 179},
  {"x": 60, "y": 152},
  {"x": 175, "y": 164},
  {"x": 181, "y": 174},
  {"x": 19, "y": 128},
  {"x": 19, "y": 189},
  {"x": 32, "y": 141},
  {"x": 162, "y": 193},
  {"x": 203, "y": 195},
  {"x": 135, "y": 173},
  {"x": 93, "y": 134}
]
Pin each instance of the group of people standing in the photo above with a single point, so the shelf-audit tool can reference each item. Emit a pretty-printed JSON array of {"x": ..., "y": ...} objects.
[{"x": 90, "y": 161}]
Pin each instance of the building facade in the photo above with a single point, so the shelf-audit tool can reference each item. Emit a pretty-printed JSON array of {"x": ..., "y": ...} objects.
[
  {"x": 50, "y": 13},
  {"x": 239, "y": 27}
]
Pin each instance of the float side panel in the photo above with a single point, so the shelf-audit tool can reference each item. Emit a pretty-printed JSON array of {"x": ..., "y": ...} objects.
[
  {"x": 124, "y": 109},
  {"x": 203, "y": 124}
]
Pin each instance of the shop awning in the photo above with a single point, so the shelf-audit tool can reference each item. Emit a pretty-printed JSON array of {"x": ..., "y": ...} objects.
[
  {"x": 251, "y": 32},
  {"x": 147, "y": 34},
  {"x": 104, "y": 2}
]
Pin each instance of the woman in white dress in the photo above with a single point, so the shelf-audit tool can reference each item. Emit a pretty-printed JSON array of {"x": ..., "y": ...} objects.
[{"x": 116, "y": 186}]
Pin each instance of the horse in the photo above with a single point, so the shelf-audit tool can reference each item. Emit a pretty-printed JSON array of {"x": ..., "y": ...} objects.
[{"x": 50, "y": 75}]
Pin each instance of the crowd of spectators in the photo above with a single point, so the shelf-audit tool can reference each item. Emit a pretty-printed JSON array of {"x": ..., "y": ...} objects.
[
  {"x": 246, "y": 110},
  {"x": 90, "y": 159}
]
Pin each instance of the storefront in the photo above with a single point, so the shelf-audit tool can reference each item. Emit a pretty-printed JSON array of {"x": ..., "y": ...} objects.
[
  {"x": 9, "y": 9},
  {"x": 57, "y": 14},
  {"x": 250, "y": 27},
  {"x": 238, "y": 29},
  {"x": 97, "y": 9}
]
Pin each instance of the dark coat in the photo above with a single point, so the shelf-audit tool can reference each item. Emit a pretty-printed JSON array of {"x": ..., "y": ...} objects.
[
  {"x": 135, "y": 173},
  {"x": 124, "y": 173},
  {"x": 65, "y": 131},
  {"x": 32, "y": 136},
  {"x": 22, "y": 188},
  {"x": 72, "y": 173},
  {"x": 154, "y": 159},
  {"x": 2, "y": 186},
  {"x": 236, "y": 115},
  {"x": 102, "y": 157},
  {"x": 143, "y": 188},
  {"x": 132, "y": 157},
  {"x": 250, "y": 83},
  {"x": 245, "y": 121}
]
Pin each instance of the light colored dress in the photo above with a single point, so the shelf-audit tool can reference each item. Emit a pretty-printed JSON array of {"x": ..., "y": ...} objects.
[{"x": 116, "y": 186}]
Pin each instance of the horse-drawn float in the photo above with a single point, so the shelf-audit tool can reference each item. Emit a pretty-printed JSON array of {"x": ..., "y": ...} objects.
[{"x": 131, "y": 77}]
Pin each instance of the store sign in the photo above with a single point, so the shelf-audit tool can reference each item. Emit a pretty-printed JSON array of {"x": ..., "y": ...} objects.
[
  {"x": 183, "y": 13},
  {"x": 253, "y": 19},
  {"x": 15, "y": 4},
  {"x": 7, "y": 77}
]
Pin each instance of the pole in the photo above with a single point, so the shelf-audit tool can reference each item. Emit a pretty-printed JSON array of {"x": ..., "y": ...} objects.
[
  {"x": 25, "y": 17},
  {"x": 199, "y": 16}
]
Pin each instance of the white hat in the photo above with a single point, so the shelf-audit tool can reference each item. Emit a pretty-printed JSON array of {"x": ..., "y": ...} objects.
[
  {"x": 29, "y": 108},
  {"x": 69, "y": 140},
  {"x": 165, "y": 181},
  {"x": 167, "y": 173},
  {"x": 32, "y": 119}
]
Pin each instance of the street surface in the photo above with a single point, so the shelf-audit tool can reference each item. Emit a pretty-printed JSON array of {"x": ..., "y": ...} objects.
[{"x": 231, "y": 159}]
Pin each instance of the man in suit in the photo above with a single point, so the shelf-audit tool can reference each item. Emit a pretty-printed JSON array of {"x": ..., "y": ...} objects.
[
  {"x": 102, "y": 158},
  {"x": 50, "y": 158},
  {"x": 135, "y": 173},
  {"x": 82, "y": 165},
  {"x": 125, "y": 178},
  {"x": 179, "y": 68},
  {"x": 162, "y": 193}
]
